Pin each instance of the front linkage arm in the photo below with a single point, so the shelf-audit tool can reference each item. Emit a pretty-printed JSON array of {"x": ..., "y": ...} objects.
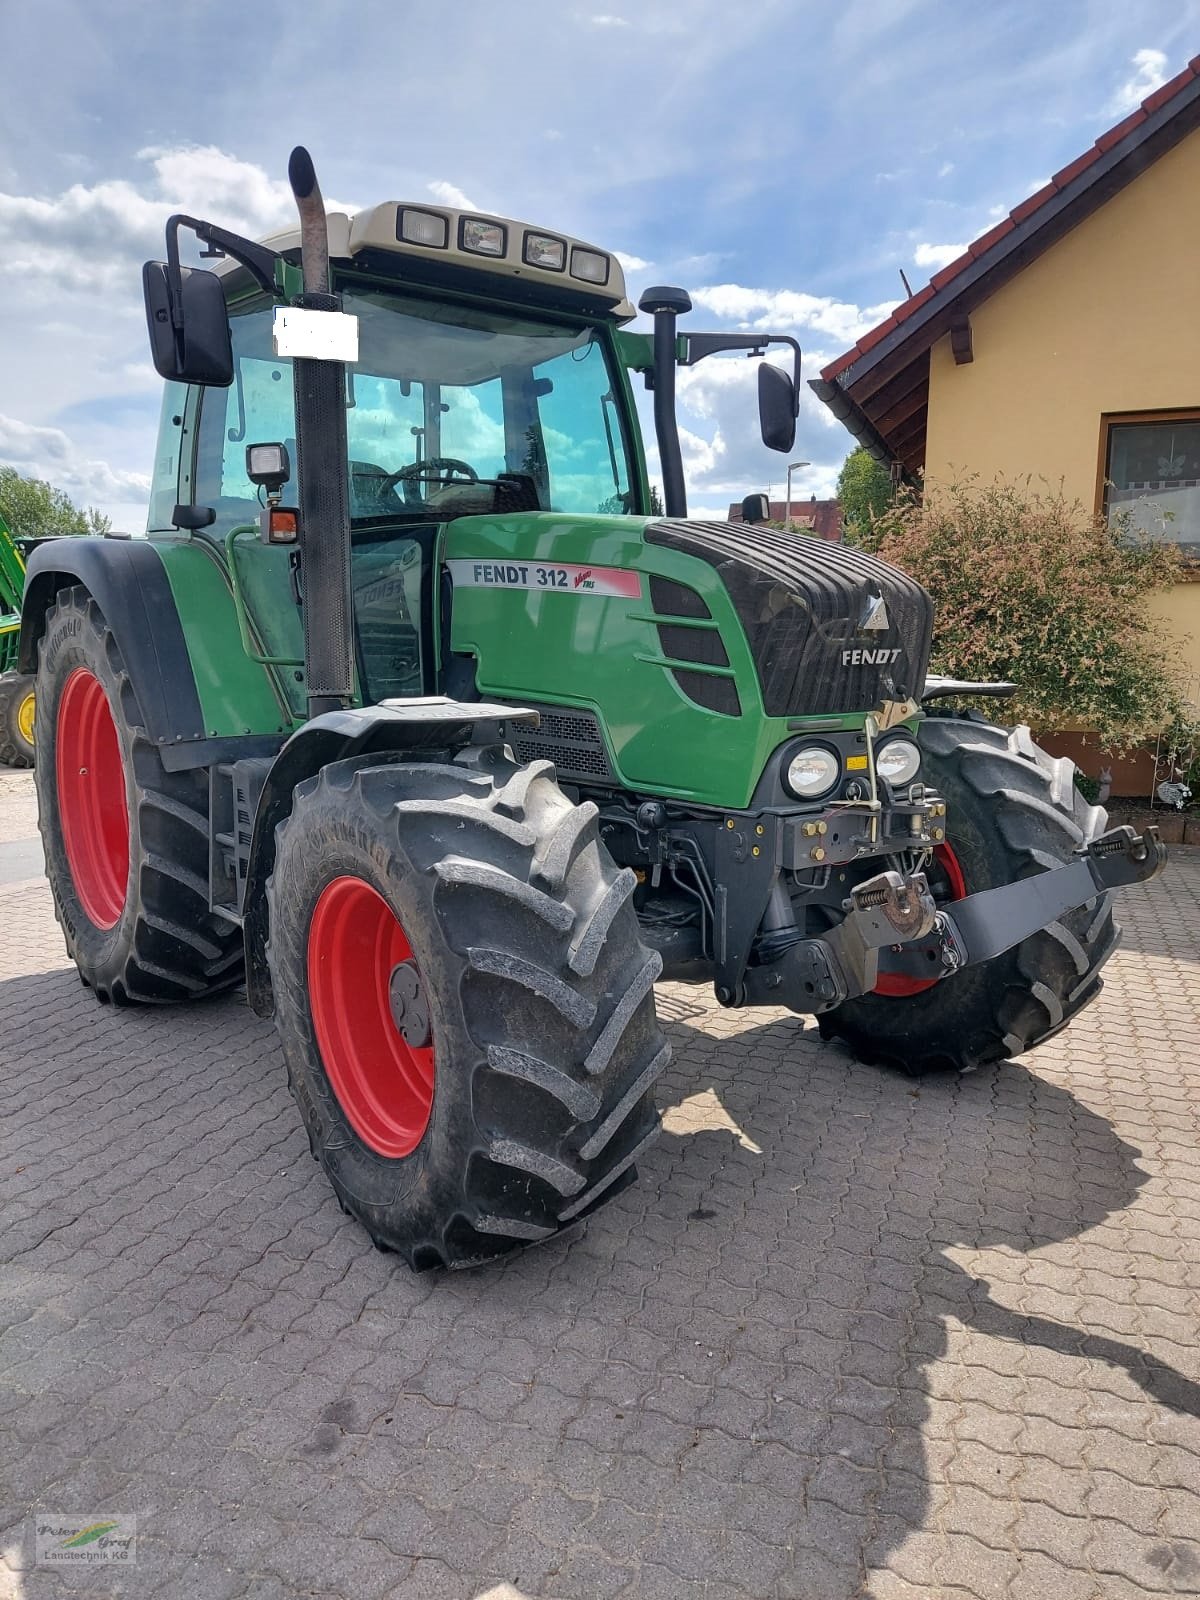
[{"x": 896, "y": 913}]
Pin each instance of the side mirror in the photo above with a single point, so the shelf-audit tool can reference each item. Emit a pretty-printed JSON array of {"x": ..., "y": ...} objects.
[
  {"x": 194, "y": 344},
  {"x": 776, "y": 407},
  {"x": 756, "y": 508}
]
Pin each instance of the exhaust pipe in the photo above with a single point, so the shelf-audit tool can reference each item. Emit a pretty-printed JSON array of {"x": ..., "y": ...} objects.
[
  {"x": 323, "y": 491},
  {"x": 665, "y": 304}
]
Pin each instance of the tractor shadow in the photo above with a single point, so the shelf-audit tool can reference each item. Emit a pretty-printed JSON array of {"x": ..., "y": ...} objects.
[{"x": 811, "y": 1223}]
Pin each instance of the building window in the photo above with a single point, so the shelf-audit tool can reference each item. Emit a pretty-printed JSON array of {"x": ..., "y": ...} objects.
[{"x": 1151, "y": 475}]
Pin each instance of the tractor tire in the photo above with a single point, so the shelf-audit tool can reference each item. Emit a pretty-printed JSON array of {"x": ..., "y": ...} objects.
[
  {"x": 16, "y": 720},
  {"x": 465, "y": 1007},
  {"x": 125, "y": 841},
  {"x": 1013, "y": 811}
]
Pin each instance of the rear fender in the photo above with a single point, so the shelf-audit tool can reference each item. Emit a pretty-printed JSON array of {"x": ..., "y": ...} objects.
[{"x": 394, "y": 729}]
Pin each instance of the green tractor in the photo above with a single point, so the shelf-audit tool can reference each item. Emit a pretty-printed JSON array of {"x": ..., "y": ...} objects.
[
  {"x": 410, "y": 714},
  {"x": 16, "y": 688}
]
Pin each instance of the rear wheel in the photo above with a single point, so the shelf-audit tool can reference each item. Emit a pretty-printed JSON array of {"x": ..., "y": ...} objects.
[
  {"x": 16, "y": 720},
  {"x": 126, "y": 841},
  {"x": 1013, "y": 811},
  {"x": 464, "y": 1003}
]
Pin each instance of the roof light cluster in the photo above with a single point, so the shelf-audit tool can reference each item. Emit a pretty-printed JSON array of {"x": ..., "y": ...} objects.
[{"x": 483, "y": 236}]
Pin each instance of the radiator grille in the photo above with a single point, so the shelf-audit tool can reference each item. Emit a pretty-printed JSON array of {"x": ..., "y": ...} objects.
[{"x": 571, "y": 739}]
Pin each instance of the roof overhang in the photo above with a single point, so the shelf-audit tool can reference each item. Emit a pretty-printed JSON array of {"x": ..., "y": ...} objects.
[{"x": 880, "y": 389}]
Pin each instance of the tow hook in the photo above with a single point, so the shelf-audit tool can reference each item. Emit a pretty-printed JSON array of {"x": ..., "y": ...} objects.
[
  {"x": 1145, "y": 855},
  {"x": 905, "y": 903}
]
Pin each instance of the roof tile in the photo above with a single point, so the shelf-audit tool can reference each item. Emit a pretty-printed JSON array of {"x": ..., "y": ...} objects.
[
  {"x": 1034, "y": 202},
  {"x": 993, "y": 236},
  {"x": 869, "y": 340},
  {"x": 842, "y": 362},
  {"x": 913, "y": 303},
  {"x": 1169, "y": 89},
  {"x": 952, "y": 270},
  {"x": 1071, "y": 171},
  {"x": 1115, "y": 135}
]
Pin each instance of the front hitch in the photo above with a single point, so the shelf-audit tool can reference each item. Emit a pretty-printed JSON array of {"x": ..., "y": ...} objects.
[{"x": 895, "y": 913}]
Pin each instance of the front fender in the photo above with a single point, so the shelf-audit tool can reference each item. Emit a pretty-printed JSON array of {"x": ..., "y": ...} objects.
[
  {"x": 394, "y": 729},
  {"x": 127, "y": 580}
]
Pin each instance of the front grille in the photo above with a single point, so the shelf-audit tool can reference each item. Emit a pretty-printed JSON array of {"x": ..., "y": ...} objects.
[{"x": 571, "y": 739}]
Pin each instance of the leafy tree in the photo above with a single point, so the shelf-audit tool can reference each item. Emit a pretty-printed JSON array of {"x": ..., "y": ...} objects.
[
  {"x": 864, "y": 490},
  {"x": 656, "y": 505},
  {"x": 1032, "y": 588},
  {"x": 34, "y": 507}
]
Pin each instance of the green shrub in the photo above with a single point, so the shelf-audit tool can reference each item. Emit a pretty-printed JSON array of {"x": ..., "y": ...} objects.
[
  {"x": 1031, "y": 587},
  {"x": 1089, "y": 788}
]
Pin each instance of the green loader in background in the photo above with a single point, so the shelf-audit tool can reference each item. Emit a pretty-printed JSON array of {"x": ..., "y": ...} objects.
[
  {"x": 415, "y": 714},
  {"x": 16, "y": 688}
]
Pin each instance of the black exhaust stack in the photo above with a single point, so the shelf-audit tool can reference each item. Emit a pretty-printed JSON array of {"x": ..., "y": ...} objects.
[
  {"x": 324, "y": 499},
  {"x": 664, "y": 305}
]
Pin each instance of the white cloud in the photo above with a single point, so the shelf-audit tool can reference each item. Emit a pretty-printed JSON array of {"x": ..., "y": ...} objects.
[
  {"x": 49, "y": 453},
  {"x": 937, "y": 255},
  {"x": 1149, "y": 73},
  {"x": 91, "y": 237},
  {"x": 607, "y": 20},
  {"x": 632, "y": 263},
  {"x": 783, "y": 310},
  {"x": 946, "y": 168},
  {"x": 450, "y": 195}
]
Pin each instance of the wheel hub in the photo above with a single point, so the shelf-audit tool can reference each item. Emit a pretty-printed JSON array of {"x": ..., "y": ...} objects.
[
  {"x": 371, "y": 1017},
  {"x": 25, "y": 717},
  {"x": 92, "y": 807},
  {"x": 410, "y": 1009}
]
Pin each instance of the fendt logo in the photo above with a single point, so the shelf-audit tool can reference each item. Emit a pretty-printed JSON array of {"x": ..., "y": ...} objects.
[{"x": 869, "y": 658}]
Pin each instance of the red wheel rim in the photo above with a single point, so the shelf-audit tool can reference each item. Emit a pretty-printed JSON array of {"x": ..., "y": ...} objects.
[
  {"x": 383, "y": 1084},
  {"x": 92, "y": 807},
  {"x": 898, "y": 984}
]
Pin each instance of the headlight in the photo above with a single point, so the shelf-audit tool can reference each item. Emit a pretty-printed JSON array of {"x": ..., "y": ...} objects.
[
  {"x": 899, "y": 761},
  {"x": 813, "y": 772}
]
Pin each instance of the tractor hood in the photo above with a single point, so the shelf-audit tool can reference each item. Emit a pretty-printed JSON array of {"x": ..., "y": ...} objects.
[{"x": 832, "y": 629}]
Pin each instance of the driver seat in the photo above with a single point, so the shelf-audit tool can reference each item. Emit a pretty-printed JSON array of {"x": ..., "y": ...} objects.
[{"x": 369, "y": 497}]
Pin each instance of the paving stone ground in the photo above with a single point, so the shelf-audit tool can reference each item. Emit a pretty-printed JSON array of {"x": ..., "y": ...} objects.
[{"x": 848, "y": 1336}]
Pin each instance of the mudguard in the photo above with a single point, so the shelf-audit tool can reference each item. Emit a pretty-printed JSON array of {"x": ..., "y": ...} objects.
[
  {"x": 127, "y": 580},
  {"x": 394, "y": 727}
]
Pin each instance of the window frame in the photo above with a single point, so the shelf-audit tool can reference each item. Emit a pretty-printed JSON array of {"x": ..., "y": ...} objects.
[{"x": 1123, "y": 419}]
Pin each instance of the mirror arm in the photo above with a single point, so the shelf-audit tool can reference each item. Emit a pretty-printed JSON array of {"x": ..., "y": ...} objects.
[
  {"x": 700, "y": 345},
  {"x": 258, "y": 260}
]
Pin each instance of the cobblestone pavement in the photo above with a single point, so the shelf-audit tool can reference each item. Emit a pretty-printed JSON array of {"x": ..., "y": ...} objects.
[{"x": 848, "y": 1336}]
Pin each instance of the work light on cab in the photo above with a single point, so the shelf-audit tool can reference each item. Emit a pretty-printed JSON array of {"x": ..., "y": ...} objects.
[
  {"x": 590, "y": 266},
  {"x": 482, "y": 238},
  {"x": 545, "y": 251},
  {"x": 899, "y": 761},
  {"x": 422, "y": 227},
  {"x": 813, "y": 772}
]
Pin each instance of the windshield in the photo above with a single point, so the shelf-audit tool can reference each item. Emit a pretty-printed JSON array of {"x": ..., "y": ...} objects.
[{"x": 450, "y": 410}]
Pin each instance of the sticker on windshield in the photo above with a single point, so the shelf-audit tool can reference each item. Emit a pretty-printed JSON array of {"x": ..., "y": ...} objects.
[{"x": 541, "y": 575}]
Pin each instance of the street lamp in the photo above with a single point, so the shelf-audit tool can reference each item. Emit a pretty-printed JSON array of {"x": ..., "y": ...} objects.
[{"x": 793, "y": 466}]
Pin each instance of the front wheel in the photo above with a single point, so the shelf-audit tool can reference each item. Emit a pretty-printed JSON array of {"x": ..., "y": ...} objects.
[
  {"x": 463, "y": 1000},
  {"x": 1013, "y": 811}
]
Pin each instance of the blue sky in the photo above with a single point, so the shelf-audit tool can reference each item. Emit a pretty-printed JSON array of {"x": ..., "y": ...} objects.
[{"x": 783, "y": 161}]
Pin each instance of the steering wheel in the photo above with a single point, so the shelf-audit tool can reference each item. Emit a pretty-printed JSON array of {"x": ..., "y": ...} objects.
[{"x": 443, "y": 469}]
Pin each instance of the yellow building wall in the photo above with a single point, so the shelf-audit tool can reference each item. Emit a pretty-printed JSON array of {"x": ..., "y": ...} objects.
[{"x": 1107, "y": 320}]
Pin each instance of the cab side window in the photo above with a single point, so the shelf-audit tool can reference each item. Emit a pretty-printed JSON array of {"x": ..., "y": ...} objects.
[{"x": 257, "y": 407}]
